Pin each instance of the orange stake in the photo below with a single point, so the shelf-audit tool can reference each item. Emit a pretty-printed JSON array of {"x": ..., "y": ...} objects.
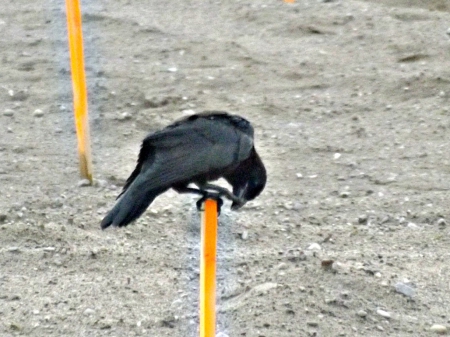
[
  {"x": 208, "y": 269},
  {"x": 75, "y": 35}
]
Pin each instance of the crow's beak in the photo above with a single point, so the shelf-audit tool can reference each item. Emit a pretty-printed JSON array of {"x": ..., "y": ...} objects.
[{"x": 236, "y": 205}]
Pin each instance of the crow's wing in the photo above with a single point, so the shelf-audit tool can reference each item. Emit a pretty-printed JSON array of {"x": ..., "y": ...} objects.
[{"x": 198, "y": 147}]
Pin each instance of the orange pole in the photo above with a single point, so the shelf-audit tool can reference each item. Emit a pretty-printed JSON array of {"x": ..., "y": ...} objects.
[
  {"x": 75, "y": 35},
  {"x": 208, "y": 269}
]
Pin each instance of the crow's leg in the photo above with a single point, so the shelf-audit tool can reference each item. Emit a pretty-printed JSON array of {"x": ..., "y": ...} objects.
[
  {"x": 222, "y": 191},
  {"x": 184, "y": 189},
  {"x": 210, "y": 195},
  {"x": 205, "y": 195}
]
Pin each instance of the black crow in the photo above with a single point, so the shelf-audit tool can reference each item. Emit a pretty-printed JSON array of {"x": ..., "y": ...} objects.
[{"x": 196, "y": 149}]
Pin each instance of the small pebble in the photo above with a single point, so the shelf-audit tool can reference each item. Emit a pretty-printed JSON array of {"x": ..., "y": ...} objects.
[
  {"x": 438, "y": 328},
  {"x": 89, "y": 312},
  {"x": 327, "y": 264},
  {"x": 363, "y": 219},
  {"x": 38, "y": 113},
  {"x": 221, "y": 334},
  {"x": 344, "y": 194},
  {"x": 84, "y": 183},
  {"x": 412, "y": 225},
  {"x": 299, "y": 175},
  {"x": 362, "y": 313},
  {"x": 124, "y": 116},
  {"x": 441, "y": 222},
  {"x": 384, "y": 313},
  {"x": 314, "y": 246},
  {"x": 244, "y": 235},
  {"x": 49, "y": 249},
  {"x": 404, "y": 289},
  {"x": 13, "y": 249},
  {"x": 282, "y": 266},
  {"x": 8, "y": 112},
  {"x": 448, "y": 31},
  {"x": 15, "y": 327}
]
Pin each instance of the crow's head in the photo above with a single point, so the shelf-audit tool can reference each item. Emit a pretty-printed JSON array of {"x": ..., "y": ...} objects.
[{"x": 251, "y": 180}]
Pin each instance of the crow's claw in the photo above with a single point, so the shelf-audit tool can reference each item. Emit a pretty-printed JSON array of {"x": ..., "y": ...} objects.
[{"x": 210, "y": 195}]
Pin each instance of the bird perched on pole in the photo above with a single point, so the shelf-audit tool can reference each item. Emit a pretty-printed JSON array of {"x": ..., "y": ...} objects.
[{"x": 194, "y": 150}]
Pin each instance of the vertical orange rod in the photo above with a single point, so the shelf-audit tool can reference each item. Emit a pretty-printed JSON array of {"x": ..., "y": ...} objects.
[
  {"x": 75, "y": 35},
  {"x": 208, "y": 270}
]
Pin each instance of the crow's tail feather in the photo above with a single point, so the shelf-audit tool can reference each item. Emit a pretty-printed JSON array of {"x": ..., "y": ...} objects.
[{"x": 130, "y": 206}]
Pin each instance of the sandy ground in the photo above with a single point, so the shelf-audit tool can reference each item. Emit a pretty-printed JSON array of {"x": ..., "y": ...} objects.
[{"x": 349, "y": 100}]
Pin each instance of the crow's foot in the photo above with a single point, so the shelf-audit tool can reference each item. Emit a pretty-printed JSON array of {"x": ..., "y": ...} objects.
[{"x": 210, "y": 195}]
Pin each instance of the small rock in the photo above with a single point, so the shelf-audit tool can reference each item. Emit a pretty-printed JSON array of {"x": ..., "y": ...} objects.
[
  {"x": 287, "y": 206},
  {"x": 263, "y": 288},
  {"x": 221, "y": 334},
  {"x": 438, "y": 328},
  {"x": 15, "y": 327},
  {"x": 314, "y": 246},
  {"x": 441, "y": 222},
  {"x": 384, "y": 313},
  {"x": 49, "y": 249},
  {"x": 362, "y": 313},
  {"x": 14, "y": 249},
  {"x": 344, "y": 194},
  {"x": 412, "y": 225},
  {"x": 169, "y": 321},
  {"x": 363, "y": 219},
  {"x": 105, "y": 324},
  {"x": 94, "y": 252},
  {"x": 124, "y": 116},
  {"x": 244, "y": 235},
  {"x": 448, "y": 32},
  {"x": 404, "y": 289},
  {"x": 282, "y": 266},
  {"x": 3, "y": 217},
  {"x": 8, "y": 112},
  {"x": 38, "y": 113},
  {"x": 337, "y": 156},
  {"x": 299, "y": 175},
  {"x": 84, "y": 183},
  {"x": 312, "y": 323},
  {"x": 172, "y": 69},
  {"x": 89, "y": 312}
]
